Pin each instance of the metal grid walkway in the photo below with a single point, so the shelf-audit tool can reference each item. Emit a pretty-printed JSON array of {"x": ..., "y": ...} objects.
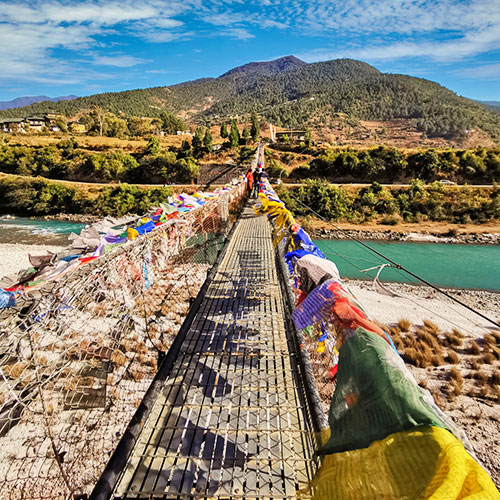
[{"x": 229, "y": 422}]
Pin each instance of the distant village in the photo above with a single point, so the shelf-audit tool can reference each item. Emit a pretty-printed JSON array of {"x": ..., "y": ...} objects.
[
  {"x": 56, "y": 122},
  {"x": 50, "y": 122}
]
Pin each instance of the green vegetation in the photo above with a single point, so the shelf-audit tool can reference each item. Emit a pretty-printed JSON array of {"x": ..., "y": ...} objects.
[
  {"x": 310, "y": 94},
  {"x": 255, "y": 128},
  {"x": 416, "y": 203},
  {"x": 386, "y": 164},
  {"x": 234, "y": 135},
  {"x": 41, "y": 197},
  {"x": 67, "y": 161}
]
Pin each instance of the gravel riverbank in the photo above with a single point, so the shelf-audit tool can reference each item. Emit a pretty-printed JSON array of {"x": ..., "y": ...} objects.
[{"x": 388, "y": 235}]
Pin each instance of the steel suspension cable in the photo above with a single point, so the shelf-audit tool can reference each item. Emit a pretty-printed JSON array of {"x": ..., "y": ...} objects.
[{"x": 398, "y": 266}]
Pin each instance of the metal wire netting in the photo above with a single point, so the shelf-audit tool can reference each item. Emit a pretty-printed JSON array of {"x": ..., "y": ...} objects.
[{"x": 78, "y": 354}]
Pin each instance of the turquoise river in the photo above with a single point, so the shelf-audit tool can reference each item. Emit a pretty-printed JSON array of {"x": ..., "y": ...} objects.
[{"x": 445, "y": 265}]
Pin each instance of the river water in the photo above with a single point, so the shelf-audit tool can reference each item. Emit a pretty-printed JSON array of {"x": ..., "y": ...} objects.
[
  {"x": 36, "y": 231},
  {"x": 443, "y": 264}
]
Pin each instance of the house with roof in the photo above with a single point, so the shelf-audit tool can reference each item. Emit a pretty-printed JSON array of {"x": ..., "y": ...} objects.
[
  {"x": 12, "y": 125},
  {"x": 35, "y": 123},
  {"x": 291, "y": 135}
]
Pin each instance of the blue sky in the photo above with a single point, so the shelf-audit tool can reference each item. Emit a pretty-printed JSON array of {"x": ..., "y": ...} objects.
[{"x": 60, "y": 47}]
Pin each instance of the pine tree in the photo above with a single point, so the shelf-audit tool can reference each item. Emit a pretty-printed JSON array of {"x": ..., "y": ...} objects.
[
  {"x": 245, "y": 136},
  {"x": 208, "y": 140},
  {"x": 255, "y": 128},
  {"x": 223, "y": 131},
  {"x": 234, "y": 135},
  {"x": 197, "y": 141}
]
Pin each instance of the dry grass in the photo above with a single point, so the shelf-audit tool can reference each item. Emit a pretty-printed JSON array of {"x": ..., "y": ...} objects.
[
  {"x": 423, "y": 383},
  {"x": 430, "y": 326},
  {"x": 488, "y": 358},
  {"x": 475, "y": 364},
  {"x": 438, "y": 398},
  {"x": 457, "y": 382},
  {"x": 94, "y": 142},
  {"x": 489, "y": 339},
  {"x": 118, "y": 358},
  {"x": 480, "y": 378},
  {"x": 494, "y": 379},
  {"x": 404, "y": 325},
  {"x": 474, "y": 348},
  {"x": 452, "y": 357},
  {"x": 452, "y": 339},
  {"x": 490, "y": 348},
  {"x": 437, "y": 360},
  {"x": 421, "y": 347}
]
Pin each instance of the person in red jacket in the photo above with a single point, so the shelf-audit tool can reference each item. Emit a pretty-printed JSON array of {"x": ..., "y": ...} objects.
[{"x": 249, "y": 177}]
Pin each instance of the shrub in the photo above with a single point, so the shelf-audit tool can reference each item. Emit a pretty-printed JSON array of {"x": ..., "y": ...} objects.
[{"x": 392, "y": 220}]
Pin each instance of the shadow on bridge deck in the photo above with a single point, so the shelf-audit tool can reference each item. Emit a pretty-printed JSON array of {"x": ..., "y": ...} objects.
[{"x": 229, "y": 421}]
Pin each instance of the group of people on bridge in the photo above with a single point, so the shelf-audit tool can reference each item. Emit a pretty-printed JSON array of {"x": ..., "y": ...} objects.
[{"x": 253, "y": 178}]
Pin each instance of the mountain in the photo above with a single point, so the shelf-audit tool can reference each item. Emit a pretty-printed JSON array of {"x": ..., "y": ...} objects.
[
  {"x": 491, "y": 104},
  {"x": 266, "y": 67},
  {"x": 20, "y": 102},
  {"x": 291, "y": 93}
]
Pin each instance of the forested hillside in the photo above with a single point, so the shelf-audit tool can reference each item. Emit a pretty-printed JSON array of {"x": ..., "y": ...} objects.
[{"x": 291, "y": 94}]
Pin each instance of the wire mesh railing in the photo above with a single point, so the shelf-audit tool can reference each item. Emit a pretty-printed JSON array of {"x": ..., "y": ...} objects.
[{"x": 78, "y": 353}]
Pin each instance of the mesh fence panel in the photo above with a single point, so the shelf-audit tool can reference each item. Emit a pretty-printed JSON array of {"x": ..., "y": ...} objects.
[{"x": 78, "y": 354}]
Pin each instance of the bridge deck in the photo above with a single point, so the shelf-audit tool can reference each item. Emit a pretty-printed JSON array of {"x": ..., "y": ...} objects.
[{"x": 229, "y": 422}]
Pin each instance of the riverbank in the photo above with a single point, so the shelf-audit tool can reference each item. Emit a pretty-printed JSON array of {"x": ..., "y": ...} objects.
[
  {"x": 418, "y": 303},
  {"x": 14, "y": 256},
  {"x": 484, "y": 234}
]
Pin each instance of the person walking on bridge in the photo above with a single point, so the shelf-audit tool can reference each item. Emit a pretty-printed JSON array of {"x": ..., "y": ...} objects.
[
  {"x": 249, "y": 176},
  {"x": 257, "y": 177}
]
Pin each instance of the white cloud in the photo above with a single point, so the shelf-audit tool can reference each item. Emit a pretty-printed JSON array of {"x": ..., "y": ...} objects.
[
  {"x": 446, "y": 30},
  {"x": 120, "y": 61},
  {"x": 223, "y": 18},
  {"x": 29, "y": 35},
  {"x": 236, "y": 33},
  {"x": 484, "y": 71},
  {"x": 32, "y": 32}
]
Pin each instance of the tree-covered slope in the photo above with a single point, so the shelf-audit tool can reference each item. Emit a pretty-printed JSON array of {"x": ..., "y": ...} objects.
[{"x": 290, "y": 93}]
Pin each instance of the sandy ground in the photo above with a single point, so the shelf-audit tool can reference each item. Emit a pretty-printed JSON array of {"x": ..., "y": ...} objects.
[
  {"x": 14, "y": 257},
  {"x": 417, "y": 303}
]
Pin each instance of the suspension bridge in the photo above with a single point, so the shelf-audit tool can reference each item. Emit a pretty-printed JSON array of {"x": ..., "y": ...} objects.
[{"x": 168, "y": 366}]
